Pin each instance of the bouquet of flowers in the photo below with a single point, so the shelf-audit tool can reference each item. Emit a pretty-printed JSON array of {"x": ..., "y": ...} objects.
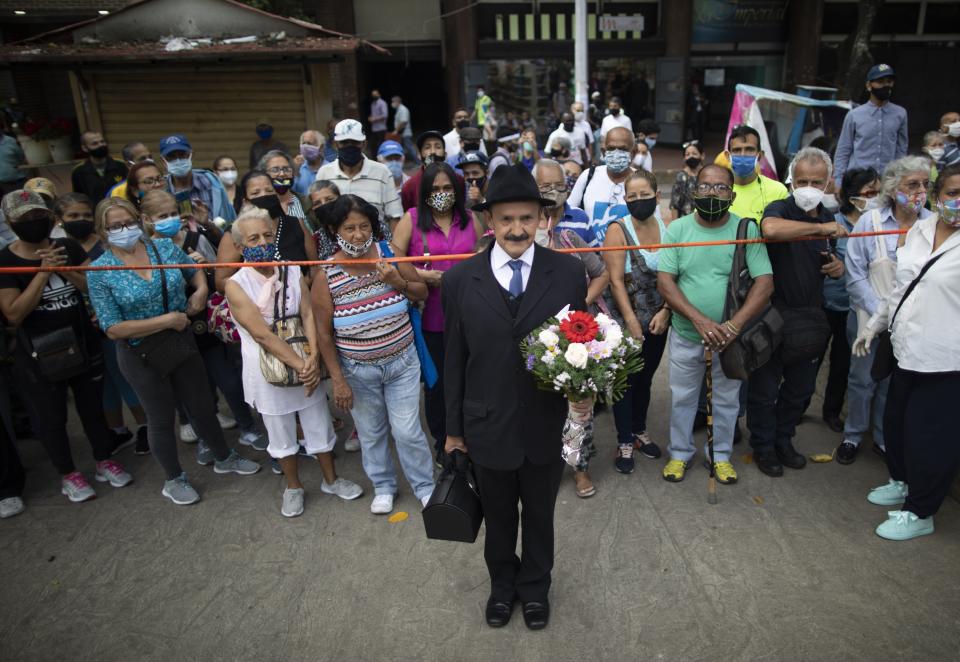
[{"x": 586, "y": 358}]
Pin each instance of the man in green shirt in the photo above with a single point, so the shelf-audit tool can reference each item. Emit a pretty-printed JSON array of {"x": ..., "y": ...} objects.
[
  {"x": 693, "y": 281},
  {"x": 753, "y": 191}
]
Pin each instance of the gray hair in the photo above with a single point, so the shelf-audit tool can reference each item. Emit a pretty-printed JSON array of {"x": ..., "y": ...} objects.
[
  {"x": 929, "y": 137},
  {"x": 896, "y": 171},
  {"x": 549, "y": 163},
  {"x": 811, "y": 154},
  {"x": 322, "y": 184},
  {"x": 272, "y": 154},
  {"x": 320, "y": 137},
  {"x": 249, "y": 214}
]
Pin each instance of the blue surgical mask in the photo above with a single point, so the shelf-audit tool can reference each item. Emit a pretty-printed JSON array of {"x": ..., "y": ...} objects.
[
  {"x": 617, "y": 160},
  {"x": 395, "y": 168},
  {"x": 126, "y": 239},
  {"x": 168, "y": 227},
  {"x": 651, "y": 142},
  {"x": 743, "y": 166},
  {"x": 180, "y": 167},
  {"x": 262, "y": 253}
]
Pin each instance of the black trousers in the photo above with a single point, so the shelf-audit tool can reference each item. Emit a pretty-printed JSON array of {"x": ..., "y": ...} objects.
[
  {"x": 777, "y": 394},
  {"x": 535, "y": 488},
  {"x": 839, "y": 363},
  {"x": 433, "y": 397},
  {"x": 923, "y": 444},
  {"x": 12, "y": 475}
]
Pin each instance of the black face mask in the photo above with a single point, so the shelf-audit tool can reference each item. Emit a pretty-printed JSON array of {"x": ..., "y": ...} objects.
[
  {"x": 350, "y": 155},
  {"x": 711, "y": 208},
  {"x": 615, "y": 112},
  {"x": 568, "y": 127},
  {"x": 101, "y": 152},
  {"x": 471, "y": 147},
  {"x": 270, "y": 204},
  {"x": 431, "y": 158},
  {"x": 642, "y": 209},
  {"x": 692, "y": 162},
  {"x": 322, "y": 212},
  {"x": 78, "y": 229},
  {"x": 282, "y": 185},
  {"x": 32, "y": 231},
  {"x": 478, "y": 182},
  {"x": 882, "y": 93},
  {"x": 463, "y": 124}
]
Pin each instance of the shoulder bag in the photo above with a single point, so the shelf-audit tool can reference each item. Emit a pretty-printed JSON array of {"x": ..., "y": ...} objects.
[
  {"x": 760, "y": 336},
  {"x": 646, "y": 301},
  {"x": 289, "y": 328}
]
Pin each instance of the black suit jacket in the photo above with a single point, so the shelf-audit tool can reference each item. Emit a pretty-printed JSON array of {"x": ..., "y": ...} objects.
[{"x": 491, "y": 399}]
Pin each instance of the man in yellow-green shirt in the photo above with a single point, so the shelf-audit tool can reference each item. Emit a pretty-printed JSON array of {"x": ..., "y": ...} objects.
[{"x": 754, "y": 191}]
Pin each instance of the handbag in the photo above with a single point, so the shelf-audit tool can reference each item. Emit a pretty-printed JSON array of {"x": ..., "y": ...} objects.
[
  {"x": 289, "y": 328},
  {"x": 219, "y": 320},
  {"x": 59, "y": 354},
  {"x": 454, "y": 511},
  {"x": 884, "y": 360},
  {"x": 761, "y": 335},
  {"x": 646, "y": 301},
  {"x": 165, "y": 350}
]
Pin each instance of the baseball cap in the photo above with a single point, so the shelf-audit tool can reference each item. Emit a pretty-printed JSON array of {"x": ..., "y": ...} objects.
[
  {"x": 470, "y": 134},
  {"x": 880, "y": 71},
  {"x": 472, "y": 157},
  {"x": 349, "y": 130},
  {"x": 175, "y": 143},
  {"x": 17, "y": 203},
  {"x": 43, "y": 186},
  {"x": 390, "y": 148},
  {"x": 422, "y": 138}
]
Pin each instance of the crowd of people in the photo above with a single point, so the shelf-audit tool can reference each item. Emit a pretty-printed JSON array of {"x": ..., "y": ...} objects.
[{"x": 291, "y": 350}]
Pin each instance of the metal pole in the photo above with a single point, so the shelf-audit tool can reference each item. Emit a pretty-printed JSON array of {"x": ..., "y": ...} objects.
[{"x": 580, "y": 50}]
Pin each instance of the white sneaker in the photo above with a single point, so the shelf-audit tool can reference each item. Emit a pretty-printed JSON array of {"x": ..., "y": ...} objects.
[
  {"x": 226, "y": 422},
  {"x": 352, "y": 444},
  {"x": 76, "y": 488},
  {"x": 11, "y": 506},
  {"x": 187, "y": 434},
  {"x": 382, "y": 504},
  {"x": 110, "y": 471},
  {"x": 292, "y": 502},
  {"x": 343, "y": 488}
]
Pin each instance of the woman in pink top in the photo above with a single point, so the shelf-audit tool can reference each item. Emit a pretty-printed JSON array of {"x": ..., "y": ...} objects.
[{"x": 438, "y": 225}]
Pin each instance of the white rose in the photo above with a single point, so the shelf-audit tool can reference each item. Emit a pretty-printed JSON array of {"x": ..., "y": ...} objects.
[
  {"x": 604, "y": 321},
  {"x": 613, "y": 336},
  {"x": 576, "y": 355},
  {"x": 549, "y": 338}
]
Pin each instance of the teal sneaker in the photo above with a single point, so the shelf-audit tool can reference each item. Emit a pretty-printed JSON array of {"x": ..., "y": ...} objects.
[
  {"x": 904, "y": 525},
  {"x": 894, "y": 492}
]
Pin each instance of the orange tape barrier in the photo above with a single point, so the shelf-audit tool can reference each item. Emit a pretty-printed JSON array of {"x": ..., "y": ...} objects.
[{"x": 421, "y": 258}]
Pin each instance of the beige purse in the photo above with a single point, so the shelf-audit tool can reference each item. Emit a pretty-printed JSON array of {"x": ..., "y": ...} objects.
[{"x": 290, "y": 330}]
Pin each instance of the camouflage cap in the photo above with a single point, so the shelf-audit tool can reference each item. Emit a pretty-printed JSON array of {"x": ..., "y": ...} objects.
[{"x": 17, "y": 203}]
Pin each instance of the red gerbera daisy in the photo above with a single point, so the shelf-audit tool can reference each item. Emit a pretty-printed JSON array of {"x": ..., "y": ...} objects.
[{"x": 579, "y": 327}]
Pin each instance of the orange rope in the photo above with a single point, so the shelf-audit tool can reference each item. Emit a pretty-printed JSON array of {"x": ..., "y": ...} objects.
[{"x": 421, "y": 258}]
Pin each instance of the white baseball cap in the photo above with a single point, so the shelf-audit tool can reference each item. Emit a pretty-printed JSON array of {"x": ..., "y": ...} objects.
[{"x": 349, "y": 130}]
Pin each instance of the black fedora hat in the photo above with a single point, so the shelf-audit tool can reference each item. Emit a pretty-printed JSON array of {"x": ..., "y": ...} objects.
[{"x": 512, "y": 183}]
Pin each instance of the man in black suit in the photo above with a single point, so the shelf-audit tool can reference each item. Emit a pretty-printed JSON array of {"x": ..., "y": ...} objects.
[{"x": 494, "y": 408}]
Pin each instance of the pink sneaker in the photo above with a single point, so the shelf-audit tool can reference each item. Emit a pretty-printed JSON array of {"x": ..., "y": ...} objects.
[
  {"x": 111, "y": 471},
  {"x": 352, "y": 444},
  {"x": 76, "y": 488}
]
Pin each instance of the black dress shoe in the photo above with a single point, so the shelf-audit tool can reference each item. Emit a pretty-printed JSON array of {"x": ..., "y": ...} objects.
[
  {"x": 847, "y": 452},
  {"x": 536, "y": 614},
  {"x": 768, "y": 463},
  {"x": 833, "y": 422},
  {"x": 498, "y": 612},
  {"x": 789, "y": 457}
]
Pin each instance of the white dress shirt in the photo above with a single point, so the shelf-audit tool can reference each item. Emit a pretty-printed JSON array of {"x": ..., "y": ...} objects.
[
  {"x": 924, "y": 333},
  {"x": 613, "y": 121},
  {"x": 503, "y": 272}
]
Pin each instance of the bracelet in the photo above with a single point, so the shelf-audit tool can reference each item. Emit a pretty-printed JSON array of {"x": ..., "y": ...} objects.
[{"x": 733, "y": 327}]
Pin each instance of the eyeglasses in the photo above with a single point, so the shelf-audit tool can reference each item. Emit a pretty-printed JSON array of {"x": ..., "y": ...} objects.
[
  {"x": 692, "y": 143},
  {"x": 153, "y": 181},
  {"x": 547, "y": 188},
  {"x": 117, "y": 229},
  {"x": 280, "y": 170},
  {"x": 915, "y": 186},
  {"x": 719, "y": 189}
]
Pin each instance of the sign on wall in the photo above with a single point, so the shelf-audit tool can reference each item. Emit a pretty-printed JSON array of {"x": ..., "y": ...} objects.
[{"x": 722, "y": 21}]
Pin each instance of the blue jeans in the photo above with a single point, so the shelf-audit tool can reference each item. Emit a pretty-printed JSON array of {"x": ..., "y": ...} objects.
[
  {"x": 862, "y": 392},
  {"x": 386, "y": 399}
]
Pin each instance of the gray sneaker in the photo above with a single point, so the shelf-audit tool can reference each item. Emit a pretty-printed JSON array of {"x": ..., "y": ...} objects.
[
  {"x": 235, "y": 464},
  {"x": 180, "y": 491},
  {"x": 292, "y": 502},
  {"x": 76, "y": 488},
  {"x": 11, "y": 506},
  {"x": 204, "y": 454},
  {"x": 110, "y": 471},
  {"x": 253, "y": 439},
  {"x": 343, "y": 488}
]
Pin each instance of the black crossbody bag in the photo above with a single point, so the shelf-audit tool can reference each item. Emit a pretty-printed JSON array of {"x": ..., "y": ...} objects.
[{"x": 165, "y": 350}]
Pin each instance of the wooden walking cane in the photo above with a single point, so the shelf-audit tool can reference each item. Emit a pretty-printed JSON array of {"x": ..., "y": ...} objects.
[{"x": 712, "y": 481}]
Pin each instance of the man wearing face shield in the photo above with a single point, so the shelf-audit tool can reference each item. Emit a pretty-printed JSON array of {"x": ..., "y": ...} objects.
[
  {"x": 875, "y": 133},
  {"x": 189, "y": 184},
  {"x": 432, "y": 149},
  {"x": 599, "y": 190}
]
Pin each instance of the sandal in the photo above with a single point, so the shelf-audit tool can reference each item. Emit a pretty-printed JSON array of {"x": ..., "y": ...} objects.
[{"x": 584, "y": 486}]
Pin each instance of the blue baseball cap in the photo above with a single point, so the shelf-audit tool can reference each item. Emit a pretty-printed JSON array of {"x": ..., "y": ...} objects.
[
  {"x": 175, "y": 143},
  {"x": 390, "y": 148},
  {"x": 467, "y": 158},
  {"x": 880, "y": 71}
]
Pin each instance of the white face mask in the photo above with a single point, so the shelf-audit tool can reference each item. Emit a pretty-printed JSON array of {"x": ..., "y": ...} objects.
[
  {"x": 830, "y": 202},
  {"x": 869, "y": 204},
  {"x": 542, "y": 237},
  {"x": 228, "y": 177},
  {"x": 953, "y": 130},
  {"x": 936, "y": 153},
  {"x": 578, "y": 116},
  {"x": 808, "y": 197}
]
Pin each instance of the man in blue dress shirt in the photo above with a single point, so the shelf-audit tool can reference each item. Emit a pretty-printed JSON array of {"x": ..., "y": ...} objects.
[{"x": 875, "y": 133}]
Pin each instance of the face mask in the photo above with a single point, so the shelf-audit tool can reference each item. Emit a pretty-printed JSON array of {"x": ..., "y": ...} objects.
[
  {"x": 882, "y": 93},
  {"x": 180, "y": 167},
  {"x": 869, "y": 204},
  {"x": 542, "y": 237},
  {"x": 353, "y": 250},
  {"x": 527, "y": 147},
  {"x": 442, "y": 201},
  {"x": 914, "y": 202},
  {"x": 692, "y": 162},
  {"x": 579, "y": 116},
  {"x": 710, "y": 208},
  {"x": 743, "y": 166},
  {"x": 101, "y": 152},
  {"x": 310, "y": 152},
  {"x": 830, "y": 202},
  {"x": 264, "y": 134},
  {"x": 262, "y": 253},
  {"x": 350, "y": 155},
  {"x": 808, "y": 197},
  {"x": 33, "y": 231},
  {"x": 270, "y": 203},
  {"x": 478, "y": 182},
  {"x": 615, "y": 111},
  {"x": 571, "y": 181},
  {"x": 322, "y": 212},
  {"x": 651, "y": 142},
  {"x": 228, "y": 177},
  {"x": 430, "y": 158},
  {"x": 617, "y": 160},
  {"x": 953, "y": 130},
  {"x": 471, "y": 147},
  {"x": 168, "y": 227},
  {"x": 126, "y": 239},
  {"x": 395, "y": 168},
  {"x": 936, "y": 153},
  {"x": 281, "y": 185},
  {"x": 463, "y": 124},
  {"x": 556, "y": 197},
  {"x": 479, "y": 93},
  {"x": 78, "y": 229},
  {"x": 642, "y": 209},
  {"x": 568, "y": 127},
  {"x": 949, "y": 212}
]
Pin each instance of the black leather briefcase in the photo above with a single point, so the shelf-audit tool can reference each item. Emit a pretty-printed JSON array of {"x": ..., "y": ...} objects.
[{"x": 454, "y": 511}]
